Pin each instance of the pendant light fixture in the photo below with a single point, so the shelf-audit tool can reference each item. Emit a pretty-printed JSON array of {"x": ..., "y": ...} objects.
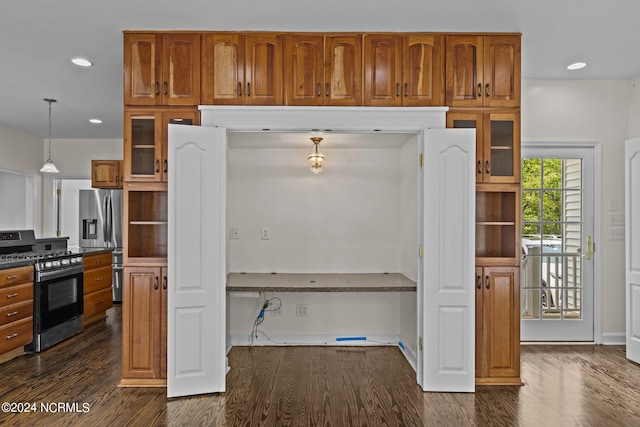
[
  {"x": 49, "y": 167},
  {"x": 316, "y": 158}
]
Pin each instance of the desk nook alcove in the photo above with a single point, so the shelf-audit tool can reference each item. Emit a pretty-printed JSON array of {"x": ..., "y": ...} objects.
[{"x": 222, "y": 186}]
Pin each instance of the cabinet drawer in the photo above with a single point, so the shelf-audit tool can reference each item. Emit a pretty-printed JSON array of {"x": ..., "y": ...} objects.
[
  {"x": 16, "y": 276},
  {"x": 16, "y": 312},
  {"x": 96, "y": 279},
  {"x": 97, "y": 301},
  {"x": 16, "y": 334},
  {"x": 15, "y": 294},
  {"x": 96, "y": 261}
]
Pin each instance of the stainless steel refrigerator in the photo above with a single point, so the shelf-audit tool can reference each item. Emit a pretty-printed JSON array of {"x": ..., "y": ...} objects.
[{"x": 101, "y": 227}]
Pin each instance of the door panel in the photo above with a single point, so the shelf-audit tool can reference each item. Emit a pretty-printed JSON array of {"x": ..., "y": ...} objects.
[
  {"x": 632, "y": 245},
  {"x": 196, "y": 279}
]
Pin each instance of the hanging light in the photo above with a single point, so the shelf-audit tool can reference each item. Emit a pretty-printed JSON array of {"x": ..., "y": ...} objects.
[
  {"x": 49, "y": 167},
  {"x": 316, "y": 158}
]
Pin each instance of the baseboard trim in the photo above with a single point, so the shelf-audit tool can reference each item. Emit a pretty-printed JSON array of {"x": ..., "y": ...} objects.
[
  {"x": 614, "y": 339},
  {"x": 315, "y": 339}
]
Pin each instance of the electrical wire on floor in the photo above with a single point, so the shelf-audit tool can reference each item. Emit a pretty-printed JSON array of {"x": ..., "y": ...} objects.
[{"x": 267, "y": 305}]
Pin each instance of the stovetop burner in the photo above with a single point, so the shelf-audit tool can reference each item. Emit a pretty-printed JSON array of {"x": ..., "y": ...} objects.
[{"x": 34, "y": 255}]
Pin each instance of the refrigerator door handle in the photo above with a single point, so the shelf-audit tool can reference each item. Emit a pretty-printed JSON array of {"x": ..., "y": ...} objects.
[
  {"x": 105, "y": 225},
  {"x": 110, "y": 222}
]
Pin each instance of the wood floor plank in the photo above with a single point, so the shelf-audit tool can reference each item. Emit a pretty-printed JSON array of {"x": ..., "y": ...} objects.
[{"x": 582, "y": 385}]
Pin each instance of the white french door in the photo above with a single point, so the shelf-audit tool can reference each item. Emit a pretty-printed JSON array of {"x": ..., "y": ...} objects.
[
  {"x": 558, "y": 243},
  {"x": 632, "y": 246}
]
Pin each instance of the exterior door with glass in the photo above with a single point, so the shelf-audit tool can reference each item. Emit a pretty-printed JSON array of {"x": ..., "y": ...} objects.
[{"x": 558, "y": 247}]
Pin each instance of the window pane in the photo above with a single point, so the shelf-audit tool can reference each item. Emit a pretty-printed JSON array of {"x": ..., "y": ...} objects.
[
  {"x": 552, "y": 171},
  {"x": 531, "y": 173}
]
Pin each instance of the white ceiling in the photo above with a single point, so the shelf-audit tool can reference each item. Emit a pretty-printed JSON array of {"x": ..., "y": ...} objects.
[{"x": 38, "y": 38}]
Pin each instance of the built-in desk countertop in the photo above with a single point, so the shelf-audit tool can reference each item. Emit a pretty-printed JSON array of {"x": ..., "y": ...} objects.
[{"x": 319, "y": 282}]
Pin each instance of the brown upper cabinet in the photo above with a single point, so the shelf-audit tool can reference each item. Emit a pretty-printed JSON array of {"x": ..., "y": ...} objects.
[
  {"x": 106, "y": 173},
  {"x": 483, "y": 71},
  {"x": 146, "y": 139},
  {"x": 403, "y": 70},
  {"x": 162, "y": 69},
  {"x": 323, "y": 70},
  {"x": 241, "y": 69}
]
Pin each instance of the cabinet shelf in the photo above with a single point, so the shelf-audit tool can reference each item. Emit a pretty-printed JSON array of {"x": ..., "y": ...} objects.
[
  {"x": 148, "y": 222},
  {"x": 495, "y": 223}
]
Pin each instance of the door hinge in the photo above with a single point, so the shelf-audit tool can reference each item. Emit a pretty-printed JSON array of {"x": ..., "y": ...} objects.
[
  {"x": 420, "y": 343},
  {"x": 59, "y": 191},
  {"x": 420, "y": 250},
  {"x": 421, "y": 159}
]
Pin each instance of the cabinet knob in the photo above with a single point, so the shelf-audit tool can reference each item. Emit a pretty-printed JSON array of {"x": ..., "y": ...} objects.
[
  {"x": 248, "y": 88},
  {"x": 164, "y": 88},
  {"x": 479, "y": 90},
  {"x": 155, "y": 282},
  {"x": 319, "y": 89},
  {"x": 326, "y": 89},
  {"x": 406, "y": 89},
  {"x": 157, "y": 166},
  {"x": 397, "y": 89},
  {"x": 479, "y": 281},
  {"x": 157, "y": 91},
  {"x": 487, "y": 91},
  {"x": 164, "y": 282},
  {"x": 479, "y": 167},
  {"x": 239, "y": 89},
  {"x": 487, "y": 168},
  {"x": 164, "y": 166},
  {"x": 488, "y": 282}
]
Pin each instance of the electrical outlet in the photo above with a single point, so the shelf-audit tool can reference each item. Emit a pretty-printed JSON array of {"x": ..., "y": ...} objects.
[
  {"x": 265, "y": 233},
  {"x": 616, "y": 219},
  {"x": 302, "y": 310},
  {"x": 616, "y": 233},
  {"x": 234, "y": 233}
]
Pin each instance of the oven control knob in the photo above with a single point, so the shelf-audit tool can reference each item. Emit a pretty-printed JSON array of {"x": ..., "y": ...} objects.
[
  {"x": 47, "y": 264},
  {"x": 79, "y": 259},
  {"x": 56, "y": 263},
  {"x": 65, "y": 262}
]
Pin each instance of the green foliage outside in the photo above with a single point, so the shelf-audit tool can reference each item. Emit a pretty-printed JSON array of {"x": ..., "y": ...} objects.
[{"x": 541, "y": 175}]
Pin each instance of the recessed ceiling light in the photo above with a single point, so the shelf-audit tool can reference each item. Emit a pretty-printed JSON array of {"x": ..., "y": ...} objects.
[
  {"x": 576, "y": 65},
  {"x": 82, "y": 62},
  {"x": 95, "y": 121}
]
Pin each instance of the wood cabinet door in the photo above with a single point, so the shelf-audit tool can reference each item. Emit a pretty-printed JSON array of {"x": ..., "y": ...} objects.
[
  {"x": 480, "y": 369},
  {"x": 382, "y": 70},
  {"x": 473, "y": 121},
  {"x": 464, "y": 71},
  {"x": 178, "y": 117},
  {"x": 181, "y": 69},
  {"x": 501, "y": 147},
  {"x": 501, "y": 322},
  {"x": 142, "y": 146},
  {"x": 141, "y": 322},
  {"x": 263, "y": 69},
  {"x": 502, "y": 71},
  {"x": 222, "y": 73},
  {"x": 422, "y": 70},
  {"x": 142, "y": 69},
  {"x": 343, "y": 70},
  {"x": 163, "y": 322},
  {"x": 304, "y": 69},
  {"x": 106, "y": 173}
]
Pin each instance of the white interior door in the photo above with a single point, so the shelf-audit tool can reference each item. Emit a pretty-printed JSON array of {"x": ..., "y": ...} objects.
[
  {"x": 558, "y": 241},
  {"x": 632, "y": 246},
  {"x": 447, "y": 276},
  {"x": 196, "y": 260}
]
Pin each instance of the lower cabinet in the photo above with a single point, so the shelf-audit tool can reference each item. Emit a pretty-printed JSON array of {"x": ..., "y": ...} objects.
[
  {"x": 16, "y": 311},
  {"x": 144, "y": 326},
  {"x": 98, "y": 292},
  {"x": 497, "y": 325}
]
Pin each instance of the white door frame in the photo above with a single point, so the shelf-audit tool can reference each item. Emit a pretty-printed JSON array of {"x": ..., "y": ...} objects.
[
  {"x": 597, "y": 218},
  {"x": 460, "y": 358}
]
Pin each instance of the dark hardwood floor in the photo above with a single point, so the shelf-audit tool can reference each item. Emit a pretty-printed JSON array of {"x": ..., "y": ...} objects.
[{"x": 319, "y": 386}]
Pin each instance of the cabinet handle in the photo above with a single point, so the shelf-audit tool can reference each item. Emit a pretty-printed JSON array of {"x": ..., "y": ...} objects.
[
  {"x": 11, "y": 277},
  {"x": 397, "y": 89},
  {"x": 12, "y": 295},
  {"x": 155, "y": 282},
  {"x": 164, "y": 167},
  {"x": 406, "y": 89},
  {"x": 479, "y": 281},
  {"x": 11, "y": 336},
  {"x": 488, "y": 282},
  {"x": 164, "y": 88},
  {"x": 99, "y": 279},
  {"x": 157, "y": 166},
  {"x": 248, "y": 88},
  {"x": 487, "y": 91},
  {"x": 488, "y": 170},
  {"x": 326, "y": 89},
  {"x": 164, "y": 282},
  {"x": 479, "y": 90},
  {"x": 99, "y": 302},
  {"x": 479, "y": 167},
  {"x": 157, "y": 87},
  {"x": 13, "y": 313},
  {"x": 239, "y": 89},
  {"x": 319, "y": 89}
]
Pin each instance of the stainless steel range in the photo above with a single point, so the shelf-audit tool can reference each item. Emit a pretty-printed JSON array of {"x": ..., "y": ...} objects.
[{"x": 58, "y": 287}]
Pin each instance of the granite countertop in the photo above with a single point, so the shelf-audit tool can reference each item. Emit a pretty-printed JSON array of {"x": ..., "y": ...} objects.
[
  {"x": 320, "y": 282},
  {"x": 4, "y": 265},
  {"x": 92, "y": 251}
]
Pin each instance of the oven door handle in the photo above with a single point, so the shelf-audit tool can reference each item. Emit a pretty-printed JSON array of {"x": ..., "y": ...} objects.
[{"x": 43, "y": 276}]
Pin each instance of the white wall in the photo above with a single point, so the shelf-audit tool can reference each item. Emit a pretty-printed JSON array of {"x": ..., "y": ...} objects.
[
  {"x": 589, "y": 110},
  {"x": 633, "y": 89}
]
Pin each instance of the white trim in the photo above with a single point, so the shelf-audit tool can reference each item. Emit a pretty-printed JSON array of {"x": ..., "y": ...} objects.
[
  {"x": 324, "y": 119},
  {"x": 315, "y": 339},
  {"x": 598, "y": 336},
  {"x": 611, "y": 338}
]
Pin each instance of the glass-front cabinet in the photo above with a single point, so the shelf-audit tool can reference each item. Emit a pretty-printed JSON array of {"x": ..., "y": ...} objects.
[{"x": 497, "y": 143}]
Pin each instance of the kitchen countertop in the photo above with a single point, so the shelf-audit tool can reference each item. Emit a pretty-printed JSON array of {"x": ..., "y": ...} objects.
[
  {"x": 320, "y": 282},
  {"x": 4, "y": 265},
  {"x": 91, "y": 251}
]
